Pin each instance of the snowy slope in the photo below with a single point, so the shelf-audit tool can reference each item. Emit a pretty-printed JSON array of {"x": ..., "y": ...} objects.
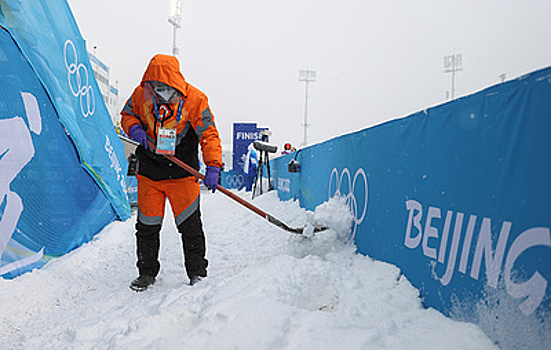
[{"x": 267, "y": 289}]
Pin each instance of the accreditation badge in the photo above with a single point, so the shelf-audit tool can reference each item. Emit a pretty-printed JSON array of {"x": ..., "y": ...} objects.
[{"x": 166, "y": 141}]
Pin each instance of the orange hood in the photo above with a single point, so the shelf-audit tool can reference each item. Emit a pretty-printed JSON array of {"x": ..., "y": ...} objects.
[{"x": 166, "y": 69}]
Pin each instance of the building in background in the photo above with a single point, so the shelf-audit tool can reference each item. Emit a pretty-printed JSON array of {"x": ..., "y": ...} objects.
[
  {"x": 227, "y": 156},
  {"x": 109, "y": 92}
]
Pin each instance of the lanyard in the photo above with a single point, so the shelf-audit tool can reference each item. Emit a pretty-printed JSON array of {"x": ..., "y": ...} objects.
[{"x": 178, "y": 116}]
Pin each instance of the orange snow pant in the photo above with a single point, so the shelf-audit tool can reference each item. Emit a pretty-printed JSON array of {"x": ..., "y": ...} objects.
[{"x": 183, "y": 195}]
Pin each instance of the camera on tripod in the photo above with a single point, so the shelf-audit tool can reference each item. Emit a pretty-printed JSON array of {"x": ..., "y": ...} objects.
[
  {"x": 265, "y": 134},
  {"x": 264, "y": 147}
]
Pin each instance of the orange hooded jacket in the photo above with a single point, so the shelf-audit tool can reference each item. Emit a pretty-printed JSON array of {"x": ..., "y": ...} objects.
[{"x": 196, "y": 124}]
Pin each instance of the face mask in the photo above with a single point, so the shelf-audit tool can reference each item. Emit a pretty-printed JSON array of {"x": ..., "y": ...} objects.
[{"x": 164, "y": 93}]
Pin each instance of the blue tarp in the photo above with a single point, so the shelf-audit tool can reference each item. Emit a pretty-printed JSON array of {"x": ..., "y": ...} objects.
[
  {"x": 62, "y": 165},
  {"x": 459, "y": 197}
]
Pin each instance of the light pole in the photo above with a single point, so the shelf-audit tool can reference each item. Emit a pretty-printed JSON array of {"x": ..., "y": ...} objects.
[
  {"x": 306, "y": 76},
  {"x": 452, "y": 64},
  {"x": 175, "y": 19}
]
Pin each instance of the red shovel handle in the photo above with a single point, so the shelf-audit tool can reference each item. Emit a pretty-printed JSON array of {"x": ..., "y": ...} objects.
[
  {"x": 235, "y": 197},
  {"x": 224, "y": 190}
]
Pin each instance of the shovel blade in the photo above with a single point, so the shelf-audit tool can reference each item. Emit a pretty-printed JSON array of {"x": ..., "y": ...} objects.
[{"x": 297, "y": 230}]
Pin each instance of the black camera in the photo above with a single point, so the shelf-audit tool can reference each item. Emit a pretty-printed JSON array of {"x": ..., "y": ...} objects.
[
  {"x": 294, "y": 166},
  {"x": 264, "y": 147},
  {"x": 132, "y": 165}
]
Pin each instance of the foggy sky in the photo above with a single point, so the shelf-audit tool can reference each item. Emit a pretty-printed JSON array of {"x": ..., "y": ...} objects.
[{"x": 374, "y": 60}]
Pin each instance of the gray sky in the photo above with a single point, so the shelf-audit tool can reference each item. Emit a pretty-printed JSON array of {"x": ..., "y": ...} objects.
[{"x": 375, "y": 60}]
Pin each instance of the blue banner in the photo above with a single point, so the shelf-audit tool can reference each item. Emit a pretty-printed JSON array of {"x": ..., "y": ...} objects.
[
  {"x": 232, "y": 179},
  {"x": 62, "y": 166},
  {"x": 243, "y": 135},
  {"x": 458, "y": 196},
  {"x": 48, "y": 37},
  {"x": 132, "y": 190}
]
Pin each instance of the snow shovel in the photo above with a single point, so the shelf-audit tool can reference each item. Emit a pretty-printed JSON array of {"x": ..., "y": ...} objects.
[{"x": 243, "y": 202}]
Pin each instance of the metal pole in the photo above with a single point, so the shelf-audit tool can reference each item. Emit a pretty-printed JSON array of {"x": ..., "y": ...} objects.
[
  {"x": 452, "y": 64},
  {"x": 453, "y": 77},
  {"x": 305, "y": 115},
  {"x": 174, "y": 48},
  {"x": 306, "y": 76},
  {"x": 175, "y": 18}
]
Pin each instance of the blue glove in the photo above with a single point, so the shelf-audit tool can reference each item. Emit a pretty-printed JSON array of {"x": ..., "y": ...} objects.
[
  {"x": 137, "y": 134},
  {"x": 211, "y": 177}
]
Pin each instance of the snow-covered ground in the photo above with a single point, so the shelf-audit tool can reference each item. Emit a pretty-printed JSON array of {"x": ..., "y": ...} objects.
[{"x": 266, "y": 289}]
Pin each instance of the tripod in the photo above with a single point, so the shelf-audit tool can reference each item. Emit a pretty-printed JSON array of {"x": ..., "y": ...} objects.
[
  {"x": 260, "y": 172},
  {"x": 264, "y": 149}
]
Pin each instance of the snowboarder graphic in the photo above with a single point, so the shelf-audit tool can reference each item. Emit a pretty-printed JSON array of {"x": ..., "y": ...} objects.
[{"x": 16, "y": 150}]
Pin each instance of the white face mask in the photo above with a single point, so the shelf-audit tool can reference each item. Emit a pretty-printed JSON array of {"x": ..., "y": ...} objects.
[{"x": 164, "y": 92}]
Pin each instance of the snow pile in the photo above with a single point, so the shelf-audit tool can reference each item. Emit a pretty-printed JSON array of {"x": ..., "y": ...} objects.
[
  {"x": 333, "y": 215},
  {"x": 267, "y": 289}
]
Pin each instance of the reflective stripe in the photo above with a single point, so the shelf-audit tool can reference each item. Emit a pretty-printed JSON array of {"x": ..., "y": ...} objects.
[
  {"x": 207, "y": 121},
  {"x": 187, "y": 212},
  {"x": 149, "y": 220}
]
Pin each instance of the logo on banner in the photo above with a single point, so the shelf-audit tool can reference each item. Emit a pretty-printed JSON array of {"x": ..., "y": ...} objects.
[
  {"x": 78, "y": 78},
  {"x": 234, "y": 181},
  {"x": 115, "y": 164},
  {"x": 345, "y": 186},
  {"x": 283, "y": 185},
  {"x": 16, "y": 154},
  {"x": 433, "y": 236},
  {"x": 250, "y": 135}
]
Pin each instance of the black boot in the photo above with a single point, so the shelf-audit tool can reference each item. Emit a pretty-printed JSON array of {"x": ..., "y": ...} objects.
[
  {"x": 141, "y": 283},
  {"x": 195, "y": 279}
]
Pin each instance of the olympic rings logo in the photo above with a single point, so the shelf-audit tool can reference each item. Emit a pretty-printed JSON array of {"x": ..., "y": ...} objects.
[
  {"x": 234, "y": 181},
  {"x": 78, "y": 78},
  {"x": 348, "y": 192}
]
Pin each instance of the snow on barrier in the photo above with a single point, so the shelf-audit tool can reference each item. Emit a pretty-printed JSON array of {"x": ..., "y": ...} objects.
[
  {"x": 459, "y": 197},
  {"x": 62, "y": 166}
]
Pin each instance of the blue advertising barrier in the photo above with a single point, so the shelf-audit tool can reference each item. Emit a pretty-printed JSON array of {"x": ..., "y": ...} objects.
[
  {"x": 49, "y": 39},
  {"x": 62, "y": 166},
  {"x": 232, "y": 179},
  {"x": 132, "y": 190},
  {"x": 459, "y": 197}
]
